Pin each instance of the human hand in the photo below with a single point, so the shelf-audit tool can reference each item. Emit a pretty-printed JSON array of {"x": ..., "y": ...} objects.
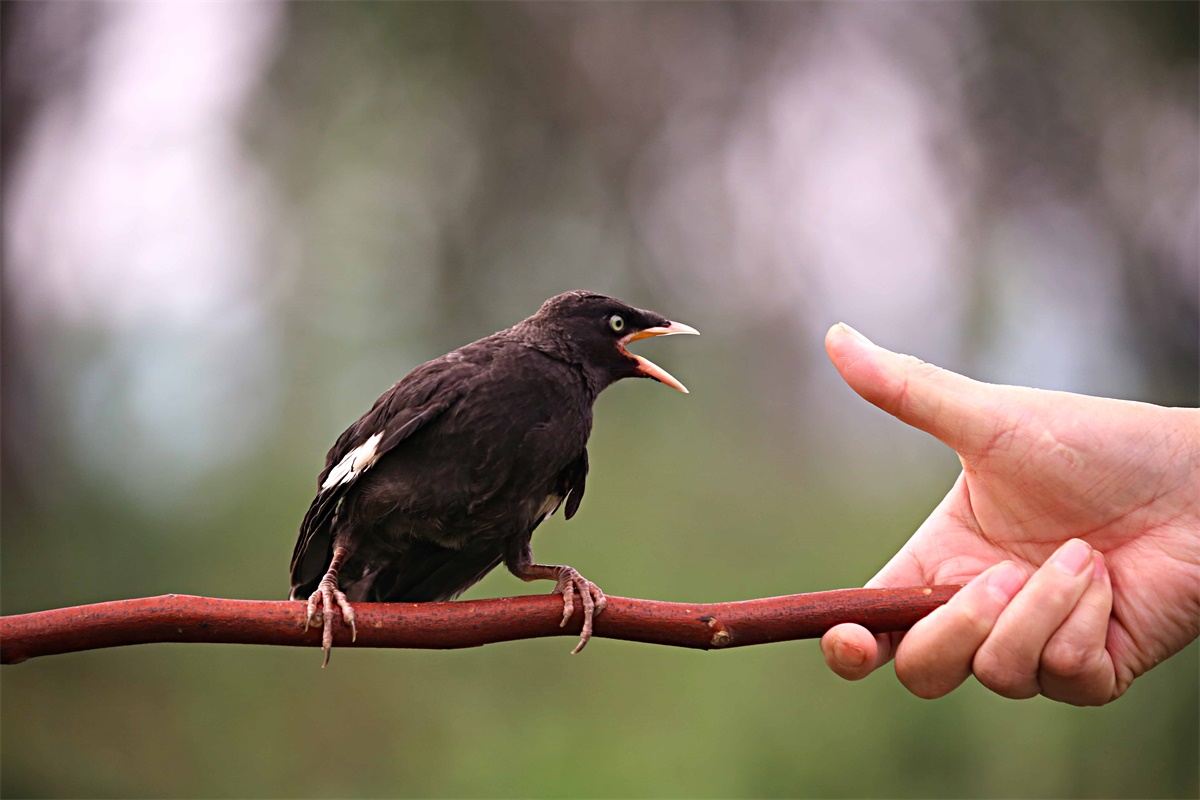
[{"x": 1075, "y": 525}]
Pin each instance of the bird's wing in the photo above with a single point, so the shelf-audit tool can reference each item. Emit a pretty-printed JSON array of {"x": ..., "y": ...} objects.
[
  {"x": 571, "y": 482},
  {"x": 397, "y": 415}
]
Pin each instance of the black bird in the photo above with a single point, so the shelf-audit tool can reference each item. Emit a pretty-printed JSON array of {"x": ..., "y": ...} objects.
[{"x": 454, "y": 467}]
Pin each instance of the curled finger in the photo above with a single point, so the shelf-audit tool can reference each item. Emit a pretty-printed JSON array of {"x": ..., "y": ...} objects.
[
  {"x": 937, "y": 653},
  {"x": 1075, "y": 666},
  {"x": 1009, "y": 661}
]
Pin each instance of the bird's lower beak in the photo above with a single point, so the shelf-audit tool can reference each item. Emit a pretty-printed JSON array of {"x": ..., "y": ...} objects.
[{"x": 648, "y": 367}]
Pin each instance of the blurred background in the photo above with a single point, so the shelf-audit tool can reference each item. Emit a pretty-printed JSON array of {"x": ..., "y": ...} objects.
[{"x": 229, "y": 226}]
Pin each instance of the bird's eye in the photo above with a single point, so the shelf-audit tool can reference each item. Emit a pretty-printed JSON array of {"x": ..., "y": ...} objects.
[{"x": 616, "y": 322}]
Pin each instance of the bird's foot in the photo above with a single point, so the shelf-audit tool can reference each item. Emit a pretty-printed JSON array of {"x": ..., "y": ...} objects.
[
  {"x": 328, "y": 595},
  {"x": 570, "y": 583}
]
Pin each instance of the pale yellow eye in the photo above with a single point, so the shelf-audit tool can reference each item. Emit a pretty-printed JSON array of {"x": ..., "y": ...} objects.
[{"x": 616, "y": 322}]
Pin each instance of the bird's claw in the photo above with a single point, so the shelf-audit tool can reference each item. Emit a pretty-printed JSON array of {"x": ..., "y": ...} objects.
[
  {"x": 328, "y": 595},
  {"x": 570, "y": 583}
]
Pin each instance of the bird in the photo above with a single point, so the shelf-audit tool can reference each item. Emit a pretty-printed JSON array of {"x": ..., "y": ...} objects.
[{"x": 453, "y": 468}]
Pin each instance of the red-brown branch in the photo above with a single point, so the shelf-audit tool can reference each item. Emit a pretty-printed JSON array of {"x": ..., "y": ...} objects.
[{"x": 180, "y": 618}]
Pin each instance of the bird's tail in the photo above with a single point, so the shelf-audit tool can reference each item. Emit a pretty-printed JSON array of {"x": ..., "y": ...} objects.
[{"x": 429, "y": 572}]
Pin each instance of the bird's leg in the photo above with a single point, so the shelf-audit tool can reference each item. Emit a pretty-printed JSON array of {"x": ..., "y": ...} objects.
[
  {"x": 568, "y": 583},
  {"x": 328, "y": 593}
]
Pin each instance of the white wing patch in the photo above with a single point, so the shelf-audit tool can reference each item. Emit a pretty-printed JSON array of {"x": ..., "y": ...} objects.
[
  {"x": 356, "y": 462},
  {"x": 549, "y": 507}
]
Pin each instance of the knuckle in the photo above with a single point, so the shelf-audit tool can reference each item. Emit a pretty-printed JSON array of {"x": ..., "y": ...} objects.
[
  {"x": 921, "y": 368},
  {"x": 1007, "y": 686},
  {"x": 973, "y": 620},
  {"x": 1002, "y": 676},
  {"x": 924, "y": 690},
  {"x": 1073, "y": 698},
  {"x": 930, "y": 674},
  {"x": 1062, "y": 593},
  {"x": 923, "y": 684},
  {"x": 1067, "y": 660}
]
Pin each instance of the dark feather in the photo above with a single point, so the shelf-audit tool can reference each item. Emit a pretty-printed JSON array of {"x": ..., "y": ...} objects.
[
  {"x": 429, "y": 573},
  {"x": 474, "y": 450},
  {"x": 572, "y": 482},
  {"x": 314, "y": 545}
]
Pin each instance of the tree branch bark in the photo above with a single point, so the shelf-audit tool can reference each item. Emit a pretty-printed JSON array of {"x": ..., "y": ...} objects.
[{"x": 468, "y": 623}]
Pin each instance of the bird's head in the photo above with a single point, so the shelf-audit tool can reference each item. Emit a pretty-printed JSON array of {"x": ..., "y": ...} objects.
[{"x": 592, "y": 331}]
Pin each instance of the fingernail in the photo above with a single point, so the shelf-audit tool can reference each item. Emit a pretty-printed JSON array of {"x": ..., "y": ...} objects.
[
  {"x": 855, "y": 333},
  {"x": 1005, "y": 581},
  {"x": 1098, "y": 569},
  {"x": 849, "y": 655},
  {"x": 1073, "y": 557}
]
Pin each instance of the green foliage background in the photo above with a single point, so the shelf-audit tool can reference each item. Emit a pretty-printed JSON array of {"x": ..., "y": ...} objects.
[{"x": 434, "y": 172}]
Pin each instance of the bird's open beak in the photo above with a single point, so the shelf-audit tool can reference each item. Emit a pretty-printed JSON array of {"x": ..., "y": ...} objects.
[{"x": 648, "y": 367}]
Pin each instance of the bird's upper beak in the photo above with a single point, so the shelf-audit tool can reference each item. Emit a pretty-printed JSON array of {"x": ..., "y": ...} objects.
[{"x": 648, "y": 367}]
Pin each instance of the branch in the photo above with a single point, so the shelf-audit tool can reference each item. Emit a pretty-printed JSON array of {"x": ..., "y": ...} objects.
[{"x": 181, "y": 618}]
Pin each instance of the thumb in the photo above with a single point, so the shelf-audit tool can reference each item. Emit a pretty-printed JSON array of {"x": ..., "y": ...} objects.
[{"x": 942, "y": 403}]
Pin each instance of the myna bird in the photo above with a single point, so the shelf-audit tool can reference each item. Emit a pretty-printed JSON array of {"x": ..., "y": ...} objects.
[{"x": 454, "y": 467}]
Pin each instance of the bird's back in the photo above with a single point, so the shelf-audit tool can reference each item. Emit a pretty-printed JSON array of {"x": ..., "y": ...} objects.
[{"x": 435, "y": 514}]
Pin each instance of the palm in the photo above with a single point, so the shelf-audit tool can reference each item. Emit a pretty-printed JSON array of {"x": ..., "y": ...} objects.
[{"x": 1036, "y": 478}]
